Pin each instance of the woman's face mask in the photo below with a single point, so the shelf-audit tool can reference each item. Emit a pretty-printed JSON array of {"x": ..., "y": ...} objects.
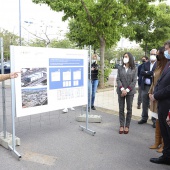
[
  {"x": 166, "y": 54},
  {"x": 125, "y": 60}
]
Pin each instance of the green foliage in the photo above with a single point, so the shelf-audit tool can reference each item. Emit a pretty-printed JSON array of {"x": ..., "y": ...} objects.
[
  {"x": 107, "y": 71},
  {"x": 151, "y": 27},
  {"x": 65, "y": 43},
  {"x": 109, "y": 54},
  {"x": 37, "y": 43},
  {"x": 8, "y": 39},
  {"x": 136, "y": 52},
  {"x": 97, "y": 22},
  {"x": 93, "y": 23},
  {"x": 102, "y": 23},
  {"x": 116, "y": 54},
  {"x": 161, "y": 27}
]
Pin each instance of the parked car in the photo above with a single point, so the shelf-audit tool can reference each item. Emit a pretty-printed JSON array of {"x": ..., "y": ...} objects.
[{"x": 7, "y": 67}]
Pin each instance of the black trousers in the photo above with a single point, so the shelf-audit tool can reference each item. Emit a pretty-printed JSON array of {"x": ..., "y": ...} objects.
[{"x": 165, "y": 132}]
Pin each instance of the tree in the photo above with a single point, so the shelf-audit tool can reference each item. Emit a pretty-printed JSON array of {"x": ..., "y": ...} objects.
[
  {"x": 37, "y": 43},
  {"x": 54, "y": 43},
  {"x": 151, "y": 27},
  {"x": 8, "y": 39},
  {"x": 161, "y": 27},
  {"x": 42, "y": 37},
  {"x": 117, "y": 53},
  {"x": 64, "y": 43},
  {"x": 99, "y": 23}
]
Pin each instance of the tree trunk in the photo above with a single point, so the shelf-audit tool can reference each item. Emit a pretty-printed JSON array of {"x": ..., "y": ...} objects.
[
  {"x": 102, "y": 50},
  {"x": 146, "y": 49}
]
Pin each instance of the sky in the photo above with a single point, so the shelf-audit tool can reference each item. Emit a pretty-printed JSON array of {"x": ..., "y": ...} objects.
[{"x": 34, "y": 17}]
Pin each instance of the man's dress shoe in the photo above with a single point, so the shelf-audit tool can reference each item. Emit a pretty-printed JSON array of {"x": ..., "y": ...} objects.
[
  {"x": 161, "y": 160},
  {"x": 142, "y": 121}
]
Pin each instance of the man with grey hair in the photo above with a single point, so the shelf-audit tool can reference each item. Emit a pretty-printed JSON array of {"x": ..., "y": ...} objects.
[{"x": 147, "y": 73}]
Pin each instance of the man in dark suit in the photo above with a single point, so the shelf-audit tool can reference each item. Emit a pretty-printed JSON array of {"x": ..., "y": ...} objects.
[
  {"x": 162, "y": 95},
  {"x": 147, "y": 73},
  {"x": 139, "y": 101}
]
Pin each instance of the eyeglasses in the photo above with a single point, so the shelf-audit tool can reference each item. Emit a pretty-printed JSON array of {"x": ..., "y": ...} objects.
[{"x": 153, "y": 54}]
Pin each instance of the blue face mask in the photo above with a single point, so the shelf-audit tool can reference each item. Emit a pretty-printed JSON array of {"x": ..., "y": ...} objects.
[{"x": 166, "y": 54}]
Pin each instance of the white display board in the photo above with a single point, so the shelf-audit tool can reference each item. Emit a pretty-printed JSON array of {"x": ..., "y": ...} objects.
[{"x": 50, "y": 79}]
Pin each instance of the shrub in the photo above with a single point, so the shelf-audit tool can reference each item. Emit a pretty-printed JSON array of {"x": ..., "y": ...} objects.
[{"x": 107, "y": 71}]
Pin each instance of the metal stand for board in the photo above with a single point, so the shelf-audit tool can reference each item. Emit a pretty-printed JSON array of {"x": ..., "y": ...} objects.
[
  {"x": 88, "y": 109},
  {"x": 13, "y": 110},
  {"x": 6, "y": 138},
  {"x": 86, "y": 129}
]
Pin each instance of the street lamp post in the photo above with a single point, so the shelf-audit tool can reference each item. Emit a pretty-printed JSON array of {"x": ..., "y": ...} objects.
[{"x": 20, "y": 42}]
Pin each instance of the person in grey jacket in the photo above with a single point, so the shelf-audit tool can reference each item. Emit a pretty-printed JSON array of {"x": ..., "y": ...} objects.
[{"x": 126, "y": 81}]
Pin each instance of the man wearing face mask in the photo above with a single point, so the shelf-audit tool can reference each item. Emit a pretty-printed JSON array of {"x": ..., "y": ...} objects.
[
  {"x": 139, "y": 101},
  {"x": 147, "y": 73},
  {"x": 162, "y": 95}
]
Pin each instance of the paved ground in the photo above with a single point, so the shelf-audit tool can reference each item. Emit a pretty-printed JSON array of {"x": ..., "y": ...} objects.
[
  {"x": 54, "y": 141},
  {"x": 57, "y": 143}
]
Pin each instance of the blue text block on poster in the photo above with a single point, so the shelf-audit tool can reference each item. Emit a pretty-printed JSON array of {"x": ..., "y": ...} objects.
[
  {"x": 65, "y": 62},
  {"x": 66, "y": 77}
]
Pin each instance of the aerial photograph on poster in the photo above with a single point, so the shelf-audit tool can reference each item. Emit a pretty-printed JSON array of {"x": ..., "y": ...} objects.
[
  {"x": 33, "y": 77},
  {"x": 34, "y": 97}
]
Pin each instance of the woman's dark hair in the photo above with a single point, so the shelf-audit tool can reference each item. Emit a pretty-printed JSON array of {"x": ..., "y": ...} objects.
[
  {"x": 131, "y": 60},
  {"x": 161, "y": 64}
]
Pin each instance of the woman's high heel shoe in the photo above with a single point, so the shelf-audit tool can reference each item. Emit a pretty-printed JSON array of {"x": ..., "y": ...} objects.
[
  {"x": 121, "y": 130},
  {"x": 126, "y": 131}
]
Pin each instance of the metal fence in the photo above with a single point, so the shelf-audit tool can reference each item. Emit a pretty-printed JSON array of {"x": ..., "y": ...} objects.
[{"x": 34, "y": 122}]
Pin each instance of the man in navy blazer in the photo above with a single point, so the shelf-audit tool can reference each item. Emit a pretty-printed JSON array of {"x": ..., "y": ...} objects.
[
  {"x": 162, "y": 95},
  {"x": 139, "y": 101},
  {"x": 147, "y": 73}
]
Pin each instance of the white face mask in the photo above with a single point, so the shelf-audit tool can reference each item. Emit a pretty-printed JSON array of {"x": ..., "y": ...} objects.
[
  {"x": 166, "y": 54},
  {"x": 92, "y": 61},
  {"x": 125, "y": 60},
  {"x": 153, "y": 57}
]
